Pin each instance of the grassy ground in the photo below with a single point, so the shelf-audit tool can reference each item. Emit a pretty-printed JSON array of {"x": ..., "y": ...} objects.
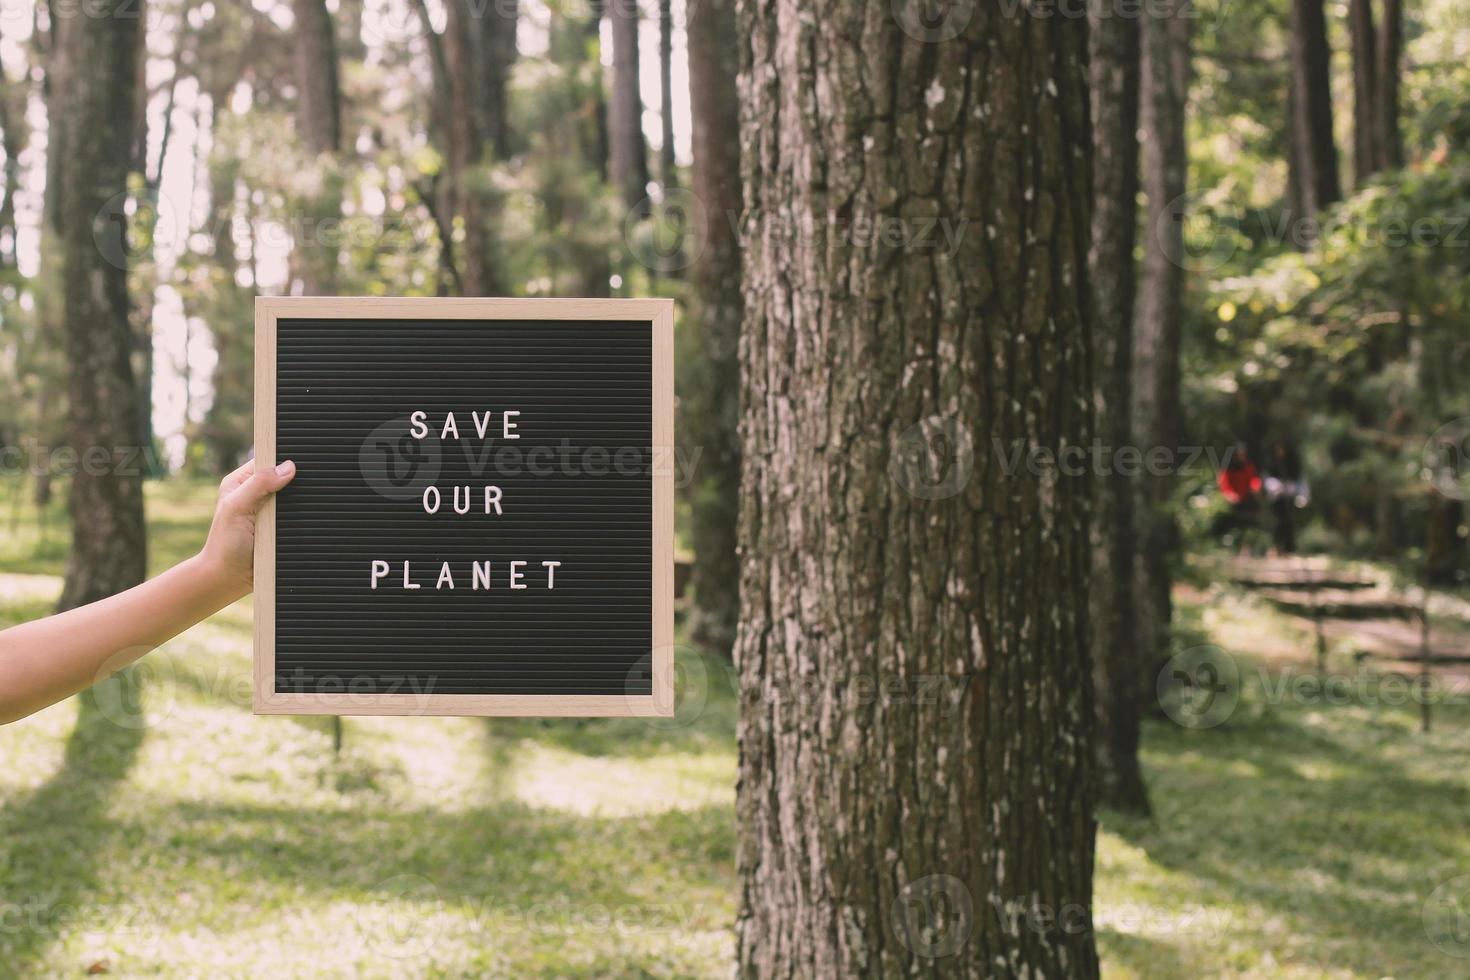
[{"x": 194, "y": 839}]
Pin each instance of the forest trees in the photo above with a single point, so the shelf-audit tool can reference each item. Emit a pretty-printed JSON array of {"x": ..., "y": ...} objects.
[
  {"x": 1158, "y": 324},
  {"x": 876, "y": 548},
  {"x": 93, "y": 111},
  {"x": 710, "y": 404},
  {"x": 1118, "y": 672}
]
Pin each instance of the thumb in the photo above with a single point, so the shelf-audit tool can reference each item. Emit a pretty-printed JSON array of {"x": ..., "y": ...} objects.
[{"x": 264, "y": 482}]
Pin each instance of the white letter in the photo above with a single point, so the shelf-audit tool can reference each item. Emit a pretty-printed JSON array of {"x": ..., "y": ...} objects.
[
  {"x": 516, "y": 576},
  {"x": 380, "y": 570},
  {"x": 449, "y": 426},
  {"x": 406, "y": 583},
  {"x": 508, "y": 425},
  {"x": 466, "y": 508},
  {"x": 492, "y": 498},
  {"x": 419, "y": 428},
  {"x": 481, "y": 424},
  {"x": 437, "y": 500},
  {"x": 445, "y": 575},
  {"x": 551, "y": 567},
  {"x": 480, "y": 575}
]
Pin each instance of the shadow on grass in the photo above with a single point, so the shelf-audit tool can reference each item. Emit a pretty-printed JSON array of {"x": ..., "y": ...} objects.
[
  {"x": 50, "y": 840},
  {"x": 705, "y": 718},
  {"x": 1324, "y": 832},
  {"x": 505, "y": 853}
]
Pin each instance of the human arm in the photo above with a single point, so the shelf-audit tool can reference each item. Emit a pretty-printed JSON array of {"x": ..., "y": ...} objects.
[{"x": 44, "y": 661}]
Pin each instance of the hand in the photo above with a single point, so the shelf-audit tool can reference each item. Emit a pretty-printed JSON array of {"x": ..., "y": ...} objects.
[{"x": 230, "y": 550}]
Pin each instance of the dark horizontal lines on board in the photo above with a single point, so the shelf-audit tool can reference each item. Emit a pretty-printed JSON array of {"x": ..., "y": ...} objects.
[{"x": 577, "y": 488}]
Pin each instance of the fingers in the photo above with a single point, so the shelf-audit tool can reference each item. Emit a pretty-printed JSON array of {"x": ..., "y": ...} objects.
[
  {"x": 232, "y": 482},
  {"x": 262, "y": 484}
]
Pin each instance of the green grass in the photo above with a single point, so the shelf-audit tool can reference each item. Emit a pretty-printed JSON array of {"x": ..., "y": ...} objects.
[{"x": 1297, "y": 839}]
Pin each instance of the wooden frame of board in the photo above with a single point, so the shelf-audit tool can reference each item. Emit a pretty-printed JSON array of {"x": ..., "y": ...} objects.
[{"x": 660, "y": 313}]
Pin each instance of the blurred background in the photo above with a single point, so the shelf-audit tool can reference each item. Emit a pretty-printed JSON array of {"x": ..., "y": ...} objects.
[{"x": 1304, "y": 734}]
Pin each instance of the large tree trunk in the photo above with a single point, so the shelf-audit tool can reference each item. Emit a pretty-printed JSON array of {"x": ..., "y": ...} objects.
[
  {"x": 1311, "y": 123},
  {"x": 1118, "y": 671},
  {"x": 629, "y": 151},
  {"x": 668, "y": 173},
  {"x": 711, "y": 375},
  {"x": 1158, "y": 325},
  {"x": 1390, "y": 48},
  {"x": 319, "y": 124},
  {"x": 879, "y": 556},
  {"x": 1365, "y": 89},
  {"x": 91, "y": 115}
]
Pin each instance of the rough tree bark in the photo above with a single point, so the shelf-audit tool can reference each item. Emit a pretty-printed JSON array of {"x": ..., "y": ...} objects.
[
  {"x": 882, "y": 560},
  {"x": 1311, "y": 123},
  {"x": 91, "y": 115},
  {"x": 1158, "y": 324},
  {"x": 668, "y": 172},
  {"x": 709, "y": 403},
  {"x": 1389, "y": 152},
  {"x": 319, "y": 124},
  {"x": 1118, "y": 671},
  {"x": 628, "y": 149},
  {"x": 462, "y": 50},
  {"x": 1365, "y": 89}
]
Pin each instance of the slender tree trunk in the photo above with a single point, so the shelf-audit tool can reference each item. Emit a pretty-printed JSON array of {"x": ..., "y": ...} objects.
[
  {"x": 709, "y": 403},
  {"x": 13, "y": 134},
  {"x": 1390, "y": 47},
  {"x": 668, "y": 172},
  {"x": 1118, "y": 671},
  {"x": 1311, "y": 122},
  {"x": 629, "y": 151},
  {"x": 498, "y": 45},
  {"x": 467, "y": 146},
  {"x": 1365, "y": 89},
  {"x": 319, "y": 124},
  {"x": 885, "y": 831},
  {"x": 318, "y": 92},
  {"x": 1158, "y": 325},
  {"x": 91, "y": 114}
]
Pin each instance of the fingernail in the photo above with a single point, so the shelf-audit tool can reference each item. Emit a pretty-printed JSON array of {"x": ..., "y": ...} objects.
[{"x": 286, "y": 468}]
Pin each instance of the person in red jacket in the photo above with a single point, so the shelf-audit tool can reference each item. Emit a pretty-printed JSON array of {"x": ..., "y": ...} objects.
[
  {"x": 1240, "y": 484},
  {"x": 1240, "y": 481}
]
